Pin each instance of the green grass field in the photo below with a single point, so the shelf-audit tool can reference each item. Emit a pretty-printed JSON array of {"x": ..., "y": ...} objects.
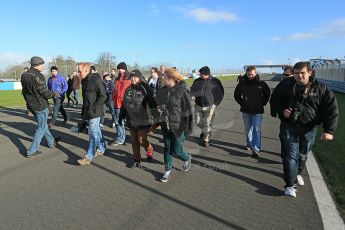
[
  {"x": 11, "y": 98},
  {"x": 331, "y": 156}
]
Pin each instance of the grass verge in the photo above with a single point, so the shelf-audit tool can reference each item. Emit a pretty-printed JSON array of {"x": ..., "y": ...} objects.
[
  {"x": 11, "y": 98},
  {"x": 331, "y": 156}
]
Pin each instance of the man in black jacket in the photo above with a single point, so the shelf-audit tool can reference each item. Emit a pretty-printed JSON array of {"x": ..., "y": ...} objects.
[
  {"x": 301, "y": 103},
  {"x": 94, "y": 96},
  {"x": 36, "y": 95},
  {"x": 207, "y": 92},
  {"x": 252, "y": 95}
]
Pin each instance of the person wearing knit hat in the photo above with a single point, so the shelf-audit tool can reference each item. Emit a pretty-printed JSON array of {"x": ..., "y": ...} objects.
[
  {"x": 122, "y": 81},
  {"x": 136, "y": 101},
  {"x": 176, "y": 110},
  {"x": 138, "y": 74},
  {"x": 36, "y": 95},
  {"x": 36, "y": 61},
  {"x": 207, "y": 92},
  {"x": 108, "y": 104}
]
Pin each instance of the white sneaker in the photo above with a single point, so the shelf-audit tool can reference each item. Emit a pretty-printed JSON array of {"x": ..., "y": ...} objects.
[
  {"x": 290, "y": 191},
  {"x": 166, "y": 176},
  {"x": 101, "y": 125},
  {"x": 300, "y": 180},
  {"x": 187, "y": 165}
]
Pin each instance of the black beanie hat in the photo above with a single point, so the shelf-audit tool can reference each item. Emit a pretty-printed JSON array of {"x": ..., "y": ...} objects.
[
  {"x": 35, "y": 61},
  {"x": 122, "y": 65},
  {"x": 138, "y": 74},
  {"x": 205, "y": 70}
]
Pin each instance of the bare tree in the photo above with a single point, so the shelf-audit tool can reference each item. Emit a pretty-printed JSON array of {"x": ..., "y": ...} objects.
[
  {"x": 66, "y": 65},
  {"x": 105, "y": 61}
]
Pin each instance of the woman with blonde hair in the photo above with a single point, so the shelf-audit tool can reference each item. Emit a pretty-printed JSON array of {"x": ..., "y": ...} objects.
[{"x": 175, "y": 106}]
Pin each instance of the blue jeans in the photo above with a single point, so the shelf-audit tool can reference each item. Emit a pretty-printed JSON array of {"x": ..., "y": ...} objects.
[
  {"x": 296, "y": 144},
  {"x": 96, "y": 140},
  {"x": 58, "y": 107},
  {"x": 120, "y": 128},
  {"x": 252, "y": 126},
  {"x": 76, "y": 96},
  {"x": 41, "y": 130},
  {"x": 109, "y": 104}
]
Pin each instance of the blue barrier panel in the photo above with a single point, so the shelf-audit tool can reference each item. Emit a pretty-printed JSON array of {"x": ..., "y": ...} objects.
[
  {"x": 6, "y": 85},
  {"x": 338, "y": 86}
]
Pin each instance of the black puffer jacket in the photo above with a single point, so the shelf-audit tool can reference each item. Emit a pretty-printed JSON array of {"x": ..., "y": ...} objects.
[
  {"x": 207, "y": 91},
  {"x": 252, "y": 95},
  {"x": 137, "y": 100},
  {"x": 319, "y": 105},
  {"x": 177, "y": 108},
  {"x": 35, "y": 91},
  {"x": 94, "y": 96}
]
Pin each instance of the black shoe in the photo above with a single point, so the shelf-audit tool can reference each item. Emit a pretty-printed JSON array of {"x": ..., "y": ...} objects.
[
  {"x": 205, "y": 144},
  {"x": 255, "y": 154},
  {"x": 149, "y": 159},
  {"x": 56, "y": 141},
  {"x": 34, "y": 154},
  {"x": 136, "y": 164},
  {"x": 202, "y": 135}
]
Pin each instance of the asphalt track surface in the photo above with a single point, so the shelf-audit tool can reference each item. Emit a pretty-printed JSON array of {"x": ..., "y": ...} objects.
[{"x": 225, "y": 189}]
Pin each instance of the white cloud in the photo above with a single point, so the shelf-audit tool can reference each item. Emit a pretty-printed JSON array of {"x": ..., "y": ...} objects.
[
  {"x": 7, "y": 59},
  {"x": 332, "y": 29},
  {"x": 204, "y": 15}
]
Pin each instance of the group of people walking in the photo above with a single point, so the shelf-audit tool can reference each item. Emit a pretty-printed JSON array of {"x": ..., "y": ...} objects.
[{"x": 301, "y": 102}]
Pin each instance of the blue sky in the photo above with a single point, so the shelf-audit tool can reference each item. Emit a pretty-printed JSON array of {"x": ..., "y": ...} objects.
[{"x": 218, "y": 33}]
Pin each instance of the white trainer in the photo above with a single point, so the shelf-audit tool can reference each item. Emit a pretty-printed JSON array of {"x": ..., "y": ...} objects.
[
  {"x": 290, "y": 191},
  {"x": 300, "y": 180},
  {"x": 166, "y": 176}
]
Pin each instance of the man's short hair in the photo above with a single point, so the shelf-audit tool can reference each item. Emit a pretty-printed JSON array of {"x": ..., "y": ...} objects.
[
  {"x": 54, "y": 68},
  {"x": 302, "y": 64},
  {"x": 250, "y": 68},
  {"x": 288, "y": 69}
]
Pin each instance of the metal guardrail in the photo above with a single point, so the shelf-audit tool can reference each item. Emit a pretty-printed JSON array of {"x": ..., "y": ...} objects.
[{"x": 338, "y": 86}]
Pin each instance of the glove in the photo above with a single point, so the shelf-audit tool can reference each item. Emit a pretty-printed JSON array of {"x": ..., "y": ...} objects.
[{"x": 56, "y": 94}]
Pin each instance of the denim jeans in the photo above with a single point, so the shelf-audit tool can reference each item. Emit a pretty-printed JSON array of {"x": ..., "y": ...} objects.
[
  {"x": 41, "y": 130},
  {"x": 120, "y": 128},
  {"x": 252, "y": 126},
  {"x": 109, "y": 104},
  {"x": 58, "y": 107},
  {"x": 296, "y": 144},
  {"x": 173, "y": 144},
  {"x": 76, "y": 96},
  {"x": 96, "y": 140}
]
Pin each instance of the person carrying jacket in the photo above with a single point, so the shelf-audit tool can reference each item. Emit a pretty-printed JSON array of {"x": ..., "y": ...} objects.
[
  {"x": 175, "y": 106},
  {"x": 36, "y": 95},
  {"x": 252, "y": 95},
  {"x": 137, "y": 101},
  {"x": 302, "y": 102},
  {"x": 122, "y": 81},
  {"x": 207, "y": 92},
  {"x": 93, "y": 100},
  {"x": 109, "y": 88},
  {"x": 57, "y": 84}
]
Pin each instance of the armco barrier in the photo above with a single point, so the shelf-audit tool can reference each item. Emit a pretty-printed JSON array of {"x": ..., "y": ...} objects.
[
  {"x": 10, "y": 86},
  {"x": 338, "y": 86}
]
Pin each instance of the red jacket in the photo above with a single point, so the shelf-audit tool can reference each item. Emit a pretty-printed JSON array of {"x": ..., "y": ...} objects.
[{"x": 121, "y": 84}]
